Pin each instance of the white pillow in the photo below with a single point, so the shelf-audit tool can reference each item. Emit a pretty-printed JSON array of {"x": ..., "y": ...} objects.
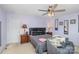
[{"x": 57, "y": 40}]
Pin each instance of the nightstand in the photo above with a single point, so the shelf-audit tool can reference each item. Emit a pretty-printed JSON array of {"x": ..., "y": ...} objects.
[{"x": 25, "y": 38}]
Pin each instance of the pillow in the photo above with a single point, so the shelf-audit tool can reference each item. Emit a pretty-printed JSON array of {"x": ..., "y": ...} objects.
[
  {"x": 56, "y": 41},
  {"x": 42, "y": 39}
]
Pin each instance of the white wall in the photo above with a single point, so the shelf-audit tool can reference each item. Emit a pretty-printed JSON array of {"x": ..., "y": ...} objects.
[
  {"x": 73, "y": 28},
  {"x": 3, "y": 29},
  {"x": 14, "y": 23}
]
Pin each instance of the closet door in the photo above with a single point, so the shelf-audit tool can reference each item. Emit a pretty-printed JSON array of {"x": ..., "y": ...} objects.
[{"x": 0, "y": 33}]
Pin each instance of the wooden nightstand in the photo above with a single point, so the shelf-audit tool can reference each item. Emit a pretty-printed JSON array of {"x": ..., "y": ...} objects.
[{"x": 25, "y": 38}]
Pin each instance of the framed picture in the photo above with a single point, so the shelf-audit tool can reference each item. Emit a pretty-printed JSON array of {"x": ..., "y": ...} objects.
[
  {"x": 56, "y": 24},
  {"x": 73, "y": 21},
  {"x": 66, "y": 26},
  {"x": 60, "y": 23}
]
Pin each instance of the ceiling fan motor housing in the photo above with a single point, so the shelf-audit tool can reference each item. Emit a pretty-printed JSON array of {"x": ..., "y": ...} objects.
[{"x": 50, "y": 10}]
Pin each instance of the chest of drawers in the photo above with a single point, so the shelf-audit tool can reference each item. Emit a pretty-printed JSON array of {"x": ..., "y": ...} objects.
[{"x": 25, "y": 38}]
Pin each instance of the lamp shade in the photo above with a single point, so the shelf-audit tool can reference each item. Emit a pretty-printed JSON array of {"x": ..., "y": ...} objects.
[{"x": 24, "y": 26}]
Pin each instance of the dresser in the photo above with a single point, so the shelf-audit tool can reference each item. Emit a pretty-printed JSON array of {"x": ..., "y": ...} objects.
[{"x": 24, "y": 38}]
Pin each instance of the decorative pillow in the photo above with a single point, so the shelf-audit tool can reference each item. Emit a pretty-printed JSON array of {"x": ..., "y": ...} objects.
[
  {"x": 57, "y": 40},
  {"x": 42, "y": 39}
]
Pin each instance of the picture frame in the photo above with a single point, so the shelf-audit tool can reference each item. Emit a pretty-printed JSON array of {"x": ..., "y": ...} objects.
[
  {"x": 66, "y": 27},
  {"x": 56, "y": 24},
  {"x": 73, "y": 21},
  {"x": 60, "y": 23}
]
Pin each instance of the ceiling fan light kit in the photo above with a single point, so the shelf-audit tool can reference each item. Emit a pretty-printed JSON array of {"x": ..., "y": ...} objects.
[
  {"x": 51, "y": 10},
  {"x": 51, "y": 14}
]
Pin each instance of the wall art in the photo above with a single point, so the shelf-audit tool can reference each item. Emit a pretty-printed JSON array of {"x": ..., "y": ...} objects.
[
  {"x": 61, "y": 23},
  {"x": 73, "y": 21},
  {"x": 66, "y": 26},
  {"x": 56, "y": 24}
]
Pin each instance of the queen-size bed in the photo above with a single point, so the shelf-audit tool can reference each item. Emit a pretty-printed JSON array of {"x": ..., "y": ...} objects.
[
  {"x": 52, "y": 45},
  {"x": 40, "y": 46},
  {"x": 36, "y": 34}
]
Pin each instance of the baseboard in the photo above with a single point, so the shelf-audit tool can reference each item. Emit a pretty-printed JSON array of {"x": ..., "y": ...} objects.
[
  {"x": 5, "y": 47},
  {"x": 12, "y": 43},
  {"x": 2, "y": 49}
]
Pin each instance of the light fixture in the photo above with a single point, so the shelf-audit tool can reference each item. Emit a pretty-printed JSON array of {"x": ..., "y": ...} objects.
[
  {"x": 49, "y": 26},
  {"x": 24, "y": 26},
  {"x": 50, "y": 11},
  {"x": 51, "y": 14}
]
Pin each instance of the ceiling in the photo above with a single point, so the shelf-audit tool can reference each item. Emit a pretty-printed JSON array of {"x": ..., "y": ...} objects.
[{"x": 32, "y": 9}]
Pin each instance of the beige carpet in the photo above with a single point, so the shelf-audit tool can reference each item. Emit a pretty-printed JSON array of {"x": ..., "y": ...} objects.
[
  {"x": 76, "y": 49},
  {"x": 26, "y": 48}
]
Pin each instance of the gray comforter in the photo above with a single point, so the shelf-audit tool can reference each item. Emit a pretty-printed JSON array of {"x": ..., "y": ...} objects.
[
  {"x": 39, "y": 46},
  {"x": 66, "y": 48}
]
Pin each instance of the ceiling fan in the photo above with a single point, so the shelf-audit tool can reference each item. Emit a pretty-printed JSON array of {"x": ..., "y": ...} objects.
[{"x": 51, "y": 10}]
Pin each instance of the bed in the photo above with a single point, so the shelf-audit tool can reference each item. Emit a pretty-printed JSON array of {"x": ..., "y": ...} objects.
[
  {"x": 59, "y": 45},
  {"x": 36, "y": 34},
  {"x": 40, "y": 47}
]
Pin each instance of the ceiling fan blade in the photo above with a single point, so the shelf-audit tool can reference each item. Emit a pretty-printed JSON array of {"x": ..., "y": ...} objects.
[
  {"x": 43, "y": 10},
  {"x": 55, "y": 5},
  {"x": 62, "y": 10},
  {"x": 44, "y": 14}
]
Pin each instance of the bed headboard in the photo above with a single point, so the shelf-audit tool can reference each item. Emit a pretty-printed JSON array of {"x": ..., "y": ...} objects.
[{"x": 37, "y": 31}]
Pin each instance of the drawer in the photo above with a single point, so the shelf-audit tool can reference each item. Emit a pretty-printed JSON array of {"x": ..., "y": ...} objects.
[{"x": 24, "y": 38}]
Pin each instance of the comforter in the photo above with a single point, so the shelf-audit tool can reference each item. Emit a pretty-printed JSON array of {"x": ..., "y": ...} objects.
[{"x": 40, "y": 47}]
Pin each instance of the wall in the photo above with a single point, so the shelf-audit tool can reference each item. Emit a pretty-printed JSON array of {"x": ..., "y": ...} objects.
[
  {"x": 73, "y": 28},
  {"x": 15, "y": 21},
  {"x": 0, "y": 33},
  {"x": 3, "y": 29}
]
